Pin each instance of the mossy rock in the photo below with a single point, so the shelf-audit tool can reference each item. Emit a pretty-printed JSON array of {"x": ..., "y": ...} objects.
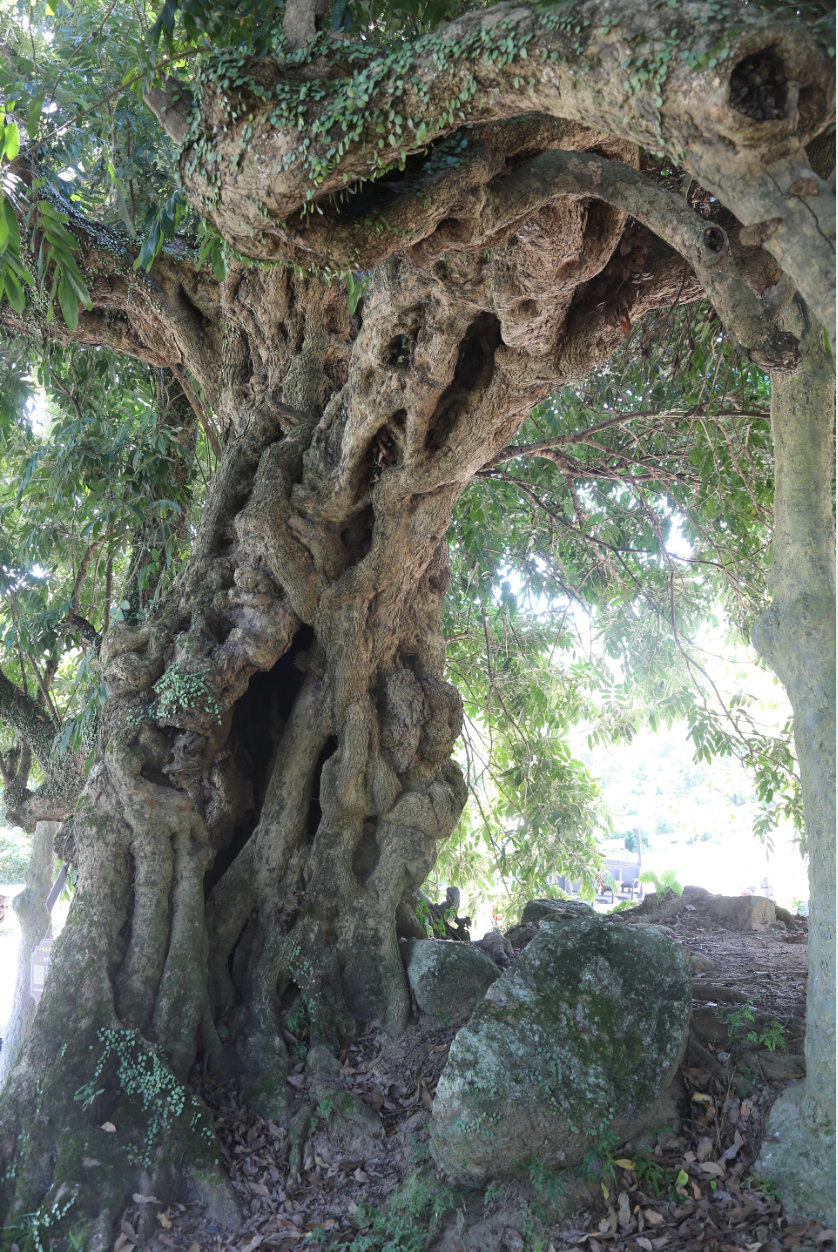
[
  {"x": 583, "y": 1033},
  {"x": 447, "y": 978},
  {"x": 554, "y": 911}
]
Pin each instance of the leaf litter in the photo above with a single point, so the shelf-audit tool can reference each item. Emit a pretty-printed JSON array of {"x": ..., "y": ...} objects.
[{"x": 692, "y": 1191}]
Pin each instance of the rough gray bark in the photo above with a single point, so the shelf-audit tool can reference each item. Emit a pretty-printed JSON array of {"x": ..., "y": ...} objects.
[
  {"x": 796, "y": 635},
  {"x": 225, "y": 876},
  {"x": 673, "y": 82},
  {"x": 35, "y": 924}
]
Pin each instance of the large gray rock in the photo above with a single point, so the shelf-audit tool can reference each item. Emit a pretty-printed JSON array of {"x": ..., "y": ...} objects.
[
  {"x": 554, "y": 911},
  {"x": 584, "y": 1032},
  {"x": 447, "y": 978},
  {"x": 798, "y": 1157},
  {"x": 744, "y": 912},
  {"x": 692, "y": 894}
]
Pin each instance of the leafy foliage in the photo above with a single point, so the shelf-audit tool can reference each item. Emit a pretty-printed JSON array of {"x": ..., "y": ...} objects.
[
  {"x": 636, "y": 509},
  {"x": 97, "y": 492},
  {"x": 663, "y": 882}
]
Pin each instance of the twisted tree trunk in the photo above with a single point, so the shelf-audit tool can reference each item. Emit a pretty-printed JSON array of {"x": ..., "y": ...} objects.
[
  {"x": 273, "y": 772},
  {"x": 796, "y": 635}
]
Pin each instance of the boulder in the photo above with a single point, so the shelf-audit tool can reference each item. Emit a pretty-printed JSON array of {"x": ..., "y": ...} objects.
[
  {"x": 520, "y": 936},
  {"x": 498, "y": 947},
  {"x": 693, "y": 894},
  {"x": 700, "y": 962},
  {"x": 554, "y": 911},
  {"x": 447, "y": 978},
  {"x": 744, "y": 912},
  {"x": 781, "y": 1066},
  {"x": 584, "y": 1031}
]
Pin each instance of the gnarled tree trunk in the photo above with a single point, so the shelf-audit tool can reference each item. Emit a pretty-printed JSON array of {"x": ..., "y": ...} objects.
[{"x": 273, "y": 773}]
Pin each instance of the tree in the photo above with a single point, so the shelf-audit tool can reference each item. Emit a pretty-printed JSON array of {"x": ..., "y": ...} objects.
[
  {"x": 272, "y": 777},
  {"x": 796, "y": 635}
]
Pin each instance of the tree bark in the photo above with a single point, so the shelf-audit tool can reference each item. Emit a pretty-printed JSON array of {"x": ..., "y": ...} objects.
[
  {"x": 796, "y": 635},
  {"x": 273, "y": 774},
  {"x": 35, "y": 921}
]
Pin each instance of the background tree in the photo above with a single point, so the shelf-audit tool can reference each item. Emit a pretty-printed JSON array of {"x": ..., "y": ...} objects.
[{"x": 486, "y": 178}]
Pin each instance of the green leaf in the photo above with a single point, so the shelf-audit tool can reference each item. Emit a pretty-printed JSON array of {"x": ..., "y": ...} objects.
[
  {"x": 68, "y": 300},
  {"x": 13, "y": 290},
  {"x": 11, "y": 221},
  {"x": 12, "y": 144},
  {"x": 33, "y": 116}
]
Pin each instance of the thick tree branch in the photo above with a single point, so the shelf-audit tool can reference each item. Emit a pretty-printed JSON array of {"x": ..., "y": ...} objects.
[
  {"x": 676, "y": 81},
  {"x": 169, "y": 315},
  {"x": 704, "y": 245},
  {"x": 28, "y": 720}
]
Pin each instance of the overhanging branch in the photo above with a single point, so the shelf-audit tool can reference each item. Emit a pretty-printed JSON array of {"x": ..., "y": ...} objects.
[{"x": 677, "y": 81}]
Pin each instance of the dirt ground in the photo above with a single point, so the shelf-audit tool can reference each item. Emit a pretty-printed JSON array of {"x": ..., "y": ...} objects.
[{"x": 685, "y": 1192}]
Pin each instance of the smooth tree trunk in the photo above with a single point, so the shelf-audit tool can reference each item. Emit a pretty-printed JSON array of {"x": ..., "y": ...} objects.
[
  {"x": 35, "y": 922},
  {"x": 796, "y": 635}
]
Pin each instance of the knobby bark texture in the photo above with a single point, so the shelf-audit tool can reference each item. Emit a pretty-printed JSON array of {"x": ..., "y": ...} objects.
[
  {"x": 273, "y": 775},
  {"x": 796, "y": 635}
]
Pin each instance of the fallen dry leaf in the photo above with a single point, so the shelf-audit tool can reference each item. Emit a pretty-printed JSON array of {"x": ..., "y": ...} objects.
[
  {"x": 704, "y": 1149},
  {"x": 194, "y": 1247},
  {"x": 646, "y": 1244},
  {"x": 653, "y": 1218},
  {"x": 108, "y": 1126},
  {"x": 144, "y": 1199},
  {"x": 164, "y": 1221},
  {"x": 714, "y": 1168},
  {"x": 360, "y": 1176},
  {"x": 257, "y": 1188}
]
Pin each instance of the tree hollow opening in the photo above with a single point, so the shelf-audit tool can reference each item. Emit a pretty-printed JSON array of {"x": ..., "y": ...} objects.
[
  {"x": 758, "y": 86},
  {"x": 259, "y": 718}
]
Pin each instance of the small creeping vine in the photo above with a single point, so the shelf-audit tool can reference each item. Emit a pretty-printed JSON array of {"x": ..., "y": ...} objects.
[{"x": 143, "y": 1074}]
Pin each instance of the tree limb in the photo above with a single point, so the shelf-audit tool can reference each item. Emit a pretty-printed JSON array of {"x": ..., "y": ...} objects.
[
  {"x": 582, "y": 436},
  {"x": 670, "y": 81}
]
